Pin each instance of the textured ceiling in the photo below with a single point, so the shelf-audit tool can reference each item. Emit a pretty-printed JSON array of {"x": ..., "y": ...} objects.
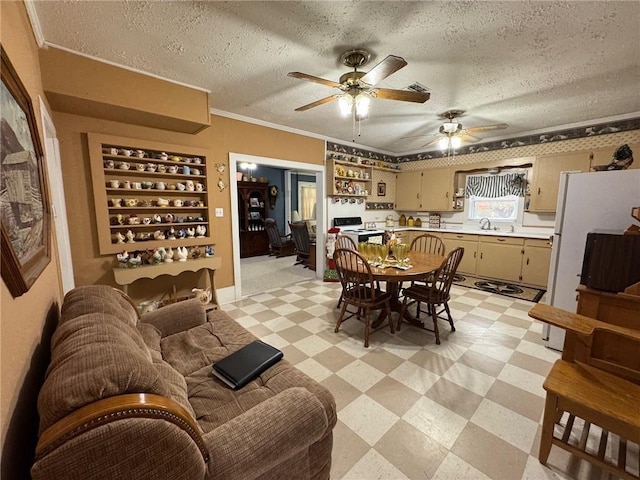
[{"x": 534, "y": 65}]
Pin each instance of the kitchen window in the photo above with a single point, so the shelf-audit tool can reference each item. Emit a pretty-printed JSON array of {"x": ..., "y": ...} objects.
[{"x": 496, "y": 197}]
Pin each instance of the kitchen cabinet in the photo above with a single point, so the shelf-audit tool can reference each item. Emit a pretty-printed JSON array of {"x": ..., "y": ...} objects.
[
  {"x": 535, "y": 261},
  {"x": 604, "y": 156},
  {"x": 408, "y": 187},
  {"x": 252, "y": 210},
  {"x": 427, "y": 190},
  {"x": 469, "y": 242},
  {"x": 148, "y": 195},
  {"x": 546, "y": 177},
  {"x": 500, "y": 257},
  {"x": 436, "y": 190}
]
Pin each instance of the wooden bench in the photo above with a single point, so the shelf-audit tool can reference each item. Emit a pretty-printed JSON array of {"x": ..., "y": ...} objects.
[{"x": 598, "y": 381}]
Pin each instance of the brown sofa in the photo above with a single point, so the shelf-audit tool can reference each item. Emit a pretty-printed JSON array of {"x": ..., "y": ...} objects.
[{"x": 134, "y": 398}]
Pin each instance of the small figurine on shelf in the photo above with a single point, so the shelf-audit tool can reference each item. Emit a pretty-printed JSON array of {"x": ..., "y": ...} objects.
[
  {"x": 146, "y": 257},
  {"x": 170, "y": 233},
  {"x": 182, "y": 254},
  {"x": 168, "y": 255},
  {"x": 135, "y": 260},
  {"x": 158, "y": 235},
  {"x": 181, "y": 233},
  {"x": 130, "y": 237},
  {"x": 120, "y": 238},
  {"x": 157, "y": 218},
  {"x": 196, "y": 252},
  {"x": 191, "y": 232},
  {"x": 208, "y": 251},
  {"x": 123, "y": 258},
  {"x": 156, "y": 257},
  {"x": 201, "y": 230}
]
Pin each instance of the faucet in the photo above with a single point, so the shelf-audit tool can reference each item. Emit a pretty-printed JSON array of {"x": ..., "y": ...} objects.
[{"x": 485, "y": 223}]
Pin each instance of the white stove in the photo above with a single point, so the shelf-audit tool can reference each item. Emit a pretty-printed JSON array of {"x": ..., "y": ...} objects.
[{"x": 353, "y": 228}]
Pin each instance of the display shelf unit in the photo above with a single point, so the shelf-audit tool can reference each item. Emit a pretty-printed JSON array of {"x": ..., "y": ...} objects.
[
  {"x": 349, "y": 179},
  {"x": 132, "y": 179},
  {"x": 252, "y": 210}
]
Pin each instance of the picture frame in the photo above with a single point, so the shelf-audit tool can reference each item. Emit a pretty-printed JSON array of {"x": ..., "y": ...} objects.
[
  {"x": 254, "y": 202},
  {"x": 382, "y": 189},
  {"x": 24, "y": 200},
  {"x": 254, "y": 216}
]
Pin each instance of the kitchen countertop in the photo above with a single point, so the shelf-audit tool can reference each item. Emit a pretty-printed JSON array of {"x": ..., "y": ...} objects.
[{"x": 477, "y": 231}]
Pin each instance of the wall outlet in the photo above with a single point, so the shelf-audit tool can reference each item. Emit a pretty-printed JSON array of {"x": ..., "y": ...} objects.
[{"x": 219, "y": 212}]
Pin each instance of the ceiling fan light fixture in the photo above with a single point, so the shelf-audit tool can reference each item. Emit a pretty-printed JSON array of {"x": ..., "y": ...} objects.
[
  {"x": 345, "y": 103},
  {"x": 362, "y": 104},
  {"x": 451, "y": 127},
  {"x": 443, "y": 143},
  {"x": 456, "y": 142}
]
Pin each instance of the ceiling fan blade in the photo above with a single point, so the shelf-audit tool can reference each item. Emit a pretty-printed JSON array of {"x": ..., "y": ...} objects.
[
  {"x": 465, "y": 137},
  {"x": 322, "y": 101},
  {"x": 402, "y": 95},
  {"x": 487, "y": 128},
  {"x": 311, "y": 78},
  {"x": 382, "y": 70},
  {"x": 432, "y": 142}
]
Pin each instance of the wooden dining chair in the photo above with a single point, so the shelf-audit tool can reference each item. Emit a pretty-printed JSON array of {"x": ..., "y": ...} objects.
[
  {"x": 359, "y": 291},
  {"x": 301, "y": 239},
  {"x": 426, "y": 243},
  {"x": 434, "y": 294},
  {"x": 343, "y": 241},
  {"x": 279, "y": 245}
]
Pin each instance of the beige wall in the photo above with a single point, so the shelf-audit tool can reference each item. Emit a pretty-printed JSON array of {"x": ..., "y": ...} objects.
[
  {"x": 225, "y": 135},
  {"x": 27, "y": 320}
]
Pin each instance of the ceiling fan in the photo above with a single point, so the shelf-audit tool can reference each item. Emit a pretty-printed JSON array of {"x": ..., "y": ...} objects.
[
  {"x": 451, "y": 134},
  {"x": 357, "y": 88}
]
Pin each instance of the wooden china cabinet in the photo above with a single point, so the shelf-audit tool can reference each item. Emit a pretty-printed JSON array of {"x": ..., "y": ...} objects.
[{"x": 252, "y": 210}]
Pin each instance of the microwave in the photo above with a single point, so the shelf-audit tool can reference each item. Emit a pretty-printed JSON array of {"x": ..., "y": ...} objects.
[{"x": 611, "y": 261}]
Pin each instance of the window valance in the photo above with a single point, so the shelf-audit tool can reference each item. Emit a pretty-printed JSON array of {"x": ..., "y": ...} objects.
[{"x": 493, "y": 186}]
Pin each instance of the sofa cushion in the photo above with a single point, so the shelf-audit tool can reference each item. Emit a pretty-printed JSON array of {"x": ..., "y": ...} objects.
[
  {"x": 95, "y": 356},
  {"x": 98, "y": 299},
  {"x": 193, "y": 352}
]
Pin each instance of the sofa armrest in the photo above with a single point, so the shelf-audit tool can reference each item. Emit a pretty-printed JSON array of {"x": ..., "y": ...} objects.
[
  {"x": 177, "y": 317},
  {"x": 264, "y": 436}
]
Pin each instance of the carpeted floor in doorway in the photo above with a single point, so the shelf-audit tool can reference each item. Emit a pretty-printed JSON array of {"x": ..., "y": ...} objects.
[
  {"x": 264, "y": 272},
  {"x": 521, "y": 292}
]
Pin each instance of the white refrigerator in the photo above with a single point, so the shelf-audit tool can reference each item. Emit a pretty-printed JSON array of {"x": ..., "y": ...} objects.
[{"x": 586, "y": 202}]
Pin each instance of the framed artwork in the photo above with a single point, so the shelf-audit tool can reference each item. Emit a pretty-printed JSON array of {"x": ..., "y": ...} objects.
[
  {"x": 24, "y": 203},
  {"x": 382, "y": 189},
  {"x": 254, "y": 202}
]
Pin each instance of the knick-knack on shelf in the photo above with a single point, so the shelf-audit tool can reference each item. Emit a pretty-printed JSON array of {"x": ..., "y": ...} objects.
[
  {"x": 168, "y": 255},
  {"x": 182, "y": 254}
]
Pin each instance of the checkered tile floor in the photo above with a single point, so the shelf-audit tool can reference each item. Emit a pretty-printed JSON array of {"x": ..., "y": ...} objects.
[{"x": 469, "y": 408}]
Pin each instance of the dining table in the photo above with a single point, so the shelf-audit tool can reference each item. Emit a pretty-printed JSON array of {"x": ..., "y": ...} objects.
[{"x": 421, "y": 265}]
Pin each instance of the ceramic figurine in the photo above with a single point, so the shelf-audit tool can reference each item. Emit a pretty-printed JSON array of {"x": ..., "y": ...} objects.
[
  {"x": 190, "y": 186},
  {"x": 170, "y": 233},
  {"x": 122, "y": 259},
  {"x": 157, "y": 256},
  {"x": 158, "y": 235},
  {"x": 168, "y": 255},
  {"x": 135, "y": 260},
  {"x": 182, "y": 254},
  {"x": 157, "y": 218},
  {"x": 208, "y": 251},
  {"x": 200, "y": 231},
  {"x": 181, "y": 233},
  {"x": 130, "y": 236},
  {"x": 191, "y": 232},
  {"x": 195, "y": 252}
]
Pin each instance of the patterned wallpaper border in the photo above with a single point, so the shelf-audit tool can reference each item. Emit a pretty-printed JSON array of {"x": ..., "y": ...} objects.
[{"x": 524, "y": 141}]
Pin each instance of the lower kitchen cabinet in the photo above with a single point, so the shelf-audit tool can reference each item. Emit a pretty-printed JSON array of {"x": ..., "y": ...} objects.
[
  {"x": 468, "y": 264},
  {"x": 500, "y": 257},
  {"x": 535, "y": 261}
]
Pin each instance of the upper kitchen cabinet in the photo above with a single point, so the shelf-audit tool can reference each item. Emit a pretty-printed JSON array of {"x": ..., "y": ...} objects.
[
  {"x": 427, "y": 190},
  {"x": 408, "y": 186},
  {"x": 546, "y": 177},
  {"x": 437, "y": 187}
]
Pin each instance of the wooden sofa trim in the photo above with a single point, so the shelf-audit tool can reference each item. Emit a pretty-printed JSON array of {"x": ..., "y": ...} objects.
[{"x": 119, "y": 407}]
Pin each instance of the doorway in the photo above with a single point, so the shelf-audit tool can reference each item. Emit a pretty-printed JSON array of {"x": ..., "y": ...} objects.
[{"x": 320, "y": 211}]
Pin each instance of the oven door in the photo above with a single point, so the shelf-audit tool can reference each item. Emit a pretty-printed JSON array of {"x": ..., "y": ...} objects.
[{"x": 372, "y": 237}]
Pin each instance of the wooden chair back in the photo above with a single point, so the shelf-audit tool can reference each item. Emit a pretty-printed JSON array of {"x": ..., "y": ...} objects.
[
  {"x": 445, "y": 273},
  {"x": 428, "y": 243},
  {"x": 343, "y": 241},
  {"x": 275, "y": 239},
  {"x": 355, "y": 276}
]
